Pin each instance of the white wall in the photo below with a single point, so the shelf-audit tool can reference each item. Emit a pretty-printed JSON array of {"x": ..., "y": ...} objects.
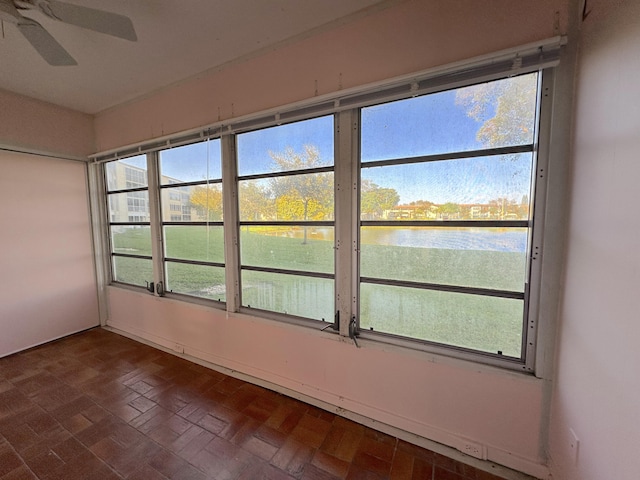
[
  {"x": 597, "y": 387},
  {"x": 29, "y": 124},
  {"x": 47, "y": 280},
  {"x": 47, "y": 284}
]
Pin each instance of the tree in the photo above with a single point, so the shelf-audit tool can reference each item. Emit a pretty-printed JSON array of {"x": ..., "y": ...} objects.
[
  {"x": 256, "y": 202},
  {"x": 449, "y": 208},
  {"x": 302, "y": 196},
  {"x": 506, "y": 109},
  {"x": 423, "y": 208},
  {"x": 501, "y": 207},
  {"x": 375, "y": 200},
  {"x": 207, "y": 202},
  {"x": 289, "y": 207}
]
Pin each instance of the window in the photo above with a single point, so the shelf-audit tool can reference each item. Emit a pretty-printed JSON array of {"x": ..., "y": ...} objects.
[
  {"x": 130, "y": 233},
  {"x": 411, "y": 214},
  {"x": 445, "y": 215},
  {"x": 135, "y": 177},
  {"x": 192, "y": 220},
  {"x": 285, "y": 192}
]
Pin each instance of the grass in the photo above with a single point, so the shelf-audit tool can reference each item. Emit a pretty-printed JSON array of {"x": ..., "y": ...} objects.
[
  {"x": 478, "y": 322},
  {"x": 135, "y": 271},
  {"x": 469, "y": 268},
  {"x": 482, "y": 323}
]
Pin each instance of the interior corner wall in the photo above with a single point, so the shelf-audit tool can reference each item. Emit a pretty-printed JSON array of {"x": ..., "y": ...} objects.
[
  {"x": 32, "y": 125},
  {"x": 595, "y": 419},
  {"x": 46, "y": 261}
]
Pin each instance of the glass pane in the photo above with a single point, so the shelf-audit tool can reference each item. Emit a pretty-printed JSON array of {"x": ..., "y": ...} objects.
[
  {"x": 488, "y": 115},
  {"x": 488, "y": 324},
  {"x": 199, "y": 203},
  {"x": 134, "y": 240},
  {"x": 129, "y": 207},
  {"x": 127, "y": 173},
  {"x": 483, "y": 188},
  {"x": 135, "y": 271},
  {"x": 294, "y": 146},
  {"x": 292, "y": 248},
  {"x": 191, "y": 163},
  {"x": 256, "y": 200},
  {"x": 199, "y": 243},
  {"x": 297, "y": 197},
  {"x": 196, "y": 280},
  {"x": 291, "y": 294},
  {"x": 472, "y": 257}
]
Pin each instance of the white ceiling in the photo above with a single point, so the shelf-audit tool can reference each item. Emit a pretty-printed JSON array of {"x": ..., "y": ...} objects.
[{"x": 177, "y": 39}]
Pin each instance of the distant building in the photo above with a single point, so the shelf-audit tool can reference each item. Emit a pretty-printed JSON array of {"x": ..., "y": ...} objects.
[{"x": 134, "y": 206}]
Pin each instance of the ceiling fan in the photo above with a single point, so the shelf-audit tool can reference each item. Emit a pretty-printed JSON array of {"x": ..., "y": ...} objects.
[{"x": 85, "y": 17}]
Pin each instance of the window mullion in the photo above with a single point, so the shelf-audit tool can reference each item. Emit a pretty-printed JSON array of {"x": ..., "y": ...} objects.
[
  {"x": 346, "y": 146},
  {"x": 157, "y": 249},
  {"x": 231, "y": 223},
  {"x": 100, "y": 235}
]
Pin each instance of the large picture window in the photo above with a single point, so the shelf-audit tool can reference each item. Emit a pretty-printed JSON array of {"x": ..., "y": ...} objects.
[
  {"x": 409, "y": 214},
  {"x": 286, "y": 211},
  {"x": 445, "y": 215}
]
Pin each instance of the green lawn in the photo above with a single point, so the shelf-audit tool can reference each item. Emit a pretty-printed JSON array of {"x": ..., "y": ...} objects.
[{"x": 478, "y": 322}]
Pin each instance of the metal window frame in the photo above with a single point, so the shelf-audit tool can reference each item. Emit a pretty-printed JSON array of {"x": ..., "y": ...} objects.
[
  {"x": 345, "y": 107},
  {"x": 161, "y": 264},
  {"x": 283, "y": 223},
  {"x": 527, "y": 361},
  {"x": 107, "y": 246},
  {"x": 534, "y": 361}
]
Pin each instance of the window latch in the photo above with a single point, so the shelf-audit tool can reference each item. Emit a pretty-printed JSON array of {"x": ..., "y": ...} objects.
[
  {"x": 353, "y": 331},
  {"x": 160, "y": 289},
  {"x": 150, "y": 287},
  {"x": 335, "y": 325}
]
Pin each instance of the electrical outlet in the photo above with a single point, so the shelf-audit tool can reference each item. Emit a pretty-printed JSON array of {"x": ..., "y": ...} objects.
[
  {"x": 574, "y": 445},
  {"x": 474, "y": 449},
  {"x": 178, "y": 348}
]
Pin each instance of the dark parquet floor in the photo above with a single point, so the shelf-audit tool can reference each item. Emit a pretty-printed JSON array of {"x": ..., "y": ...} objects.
[{"x": 100, "y": 406}]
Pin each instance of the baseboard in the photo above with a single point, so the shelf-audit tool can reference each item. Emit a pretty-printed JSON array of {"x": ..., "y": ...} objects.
[{"x": 44, "y": 342}]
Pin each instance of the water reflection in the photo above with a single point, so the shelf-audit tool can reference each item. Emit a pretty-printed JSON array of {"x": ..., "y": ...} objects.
[{"x": 491, "y": 239}]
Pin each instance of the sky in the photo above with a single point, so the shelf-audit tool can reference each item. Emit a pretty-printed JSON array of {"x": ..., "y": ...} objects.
[{"x": 425, "y": 125}]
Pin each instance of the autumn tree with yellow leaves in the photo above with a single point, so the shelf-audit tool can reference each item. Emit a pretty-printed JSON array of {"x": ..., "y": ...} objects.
[
  {"x": 306, "y": 196},
  {"x": 207, "y": 202}
]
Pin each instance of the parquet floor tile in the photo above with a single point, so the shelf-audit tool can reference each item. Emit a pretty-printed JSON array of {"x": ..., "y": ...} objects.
[{"x": 99, "y": 406}]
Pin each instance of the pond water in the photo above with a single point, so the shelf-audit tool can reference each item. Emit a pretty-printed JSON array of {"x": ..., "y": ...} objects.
[
  {"x": 491, "y": 239},
  {"x": 487, "y": 239}
]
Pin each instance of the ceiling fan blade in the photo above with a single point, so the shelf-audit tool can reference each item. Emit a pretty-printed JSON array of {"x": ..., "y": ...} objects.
[
  {"x": 45, "y": 44},
  {"x": 93, "y": 19}
]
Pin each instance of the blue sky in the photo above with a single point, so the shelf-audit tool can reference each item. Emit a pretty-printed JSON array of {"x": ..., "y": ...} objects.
[
  {"x": 178, "y": 162},
  {"x": 434, "y": 124},
  {"x": 254, "y": 147},
  {"x": 424, "y": 125}
]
